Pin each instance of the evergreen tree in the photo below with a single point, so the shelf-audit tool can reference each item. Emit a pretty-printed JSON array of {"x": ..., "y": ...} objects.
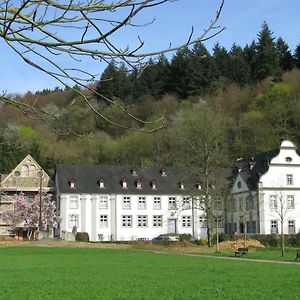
[
  {"x": 178, "y": 73},
  {"x": 284, "y": 55},
  {"x": 201, "y": 72},
  {"x": 297, "y": 56},
  {"x": 153, "y": 79},
  {"x": 249, "y": 55},
  {"x": 222, "y": 60},
  {"x": 113, "y": 84},
  {"x": 239, "y": 70},
  {"x": 266, "y": 61}
]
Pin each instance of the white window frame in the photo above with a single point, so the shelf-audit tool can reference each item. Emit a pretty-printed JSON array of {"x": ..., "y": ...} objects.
[
  {"x": 142, "y": 202},
  {"x": 73, "y": 220},
  {"x": 103, "y": 202},
  {"x": 186, "y": 221},
  {"x": 291, "y": 224},
  {"x": 103, "y": 221},
  {"x": 273, "y": 202},
  {"x": 157, "y": 221},
  {"x": 126, "y": 221},
  {"x": 126, "y": 204},
  {"x": 290, "y": 201},
  {"x": 157, "y": 203},
  {"x": 186, "y": 203},
  {"x": 73, "y": 202},
  {"x": 274, "y": 226},
  {"x": 142, "y": 221},
  {"x": 289, "y": 179},
  {"x": 172, "y": 203},
  {"x": 202, "y": 222}
]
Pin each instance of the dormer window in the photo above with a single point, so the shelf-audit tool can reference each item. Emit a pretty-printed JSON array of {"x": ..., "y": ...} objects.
[
  {"x": 154, "y": 184},
  {"x": 124, "y": 183},
  {"x": 101, "y": 183},
  {"x": 198, "y": 186},
  {"x": 181, "y": 185},
  {"x": 139, "y": 184},
  {"x": 133, "y": 172},
  {"x": 163, "y": 172},
  {"x": 72, "y": 183}
]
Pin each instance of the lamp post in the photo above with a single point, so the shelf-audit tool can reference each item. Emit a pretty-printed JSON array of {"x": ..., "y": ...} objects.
[{"x": 40, "y": 175}]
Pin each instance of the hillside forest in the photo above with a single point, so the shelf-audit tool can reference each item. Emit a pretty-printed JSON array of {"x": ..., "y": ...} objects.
[{"x": 236, "y": 102}]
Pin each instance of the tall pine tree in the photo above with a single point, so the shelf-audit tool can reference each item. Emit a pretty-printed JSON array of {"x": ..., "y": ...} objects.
[{"x": 266, "y": 61}]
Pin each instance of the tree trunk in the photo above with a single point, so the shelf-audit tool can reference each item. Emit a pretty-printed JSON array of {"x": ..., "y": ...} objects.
[
  {"x": 282, "y": 238},
  {"x": 217, "y": 236}
]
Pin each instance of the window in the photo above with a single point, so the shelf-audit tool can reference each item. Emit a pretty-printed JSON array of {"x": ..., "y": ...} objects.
[
  {"x": 186, "y": 203},
  {"x": 101, "y": 183},
  {"x": 220, "y": 222},
  {"x": 274, "y": 227},
  {"x": 103, "y": 202},
  {"x": 103, "y": 221},
  {"x": 288, "y": 159},
  {"x": 142, "y": 203},
  {"x": 291, "y": 229},
  {"x": 156, "y": 203},
  {"x": 126, "y": 221},
  {"x": 241, "y": 204},
  {"x": 273, "y": 202},
  {"x": 290, "y": 202},
  {"x": 157, "y": 221},
  {"x": 73, "y": 204},
  {"x": 142, "y": 221},
  {"x": 71, "y": 183},
  {"x": 73, "y": 220},
  {"x": 289, "y": 179},
  {"x": 154, "y": 184},
  {"x": 124, "y": 183},
  {"x": 186, "y": 221},
  {"x": 139, "y": 184},
  {"x": 172, "y": 203},
  {"x": 202, "y": 222},
  {"x": 126, "y": 202}
]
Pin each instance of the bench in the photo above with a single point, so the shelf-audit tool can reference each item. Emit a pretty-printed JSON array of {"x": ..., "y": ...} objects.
[{"x": 240, "y": 251}]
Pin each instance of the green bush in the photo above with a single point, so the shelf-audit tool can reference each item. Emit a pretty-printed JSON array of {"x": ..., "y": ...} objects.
[
  {"x": 270, "y": 240},
  {"x": 185, "y": 237},
  {"x": 222, "y": 238},
  {"x": 82, "y": 237}
]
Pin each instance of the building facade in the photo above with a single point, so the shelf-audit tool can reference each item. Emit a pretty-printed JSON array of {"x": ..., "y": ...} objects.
[
  {"x": 28, "y": 178},
  {"x": 266, "y": 193},
  {"x": 123, "y": 203}
]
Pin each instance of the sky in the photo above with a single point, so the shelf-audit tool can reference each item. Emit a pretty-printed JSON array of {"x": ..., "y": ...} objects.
[{"x": 173, "y": 24}]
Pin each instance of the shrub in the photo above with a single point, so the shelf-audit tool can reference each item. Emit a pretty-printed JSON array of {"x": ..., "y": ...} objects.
[
  {"x": 82, "y": 237},
  {"x": 185, "y": 237},
  {"x": 270, "y": 240},
  {"x": 222, "y": 237}
]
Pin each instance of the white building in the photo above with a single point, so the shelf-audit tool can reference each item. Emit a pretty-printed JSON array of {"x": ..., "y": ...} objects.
[
  {"x": 123, "y": 203},
  {"x": 266, "y": 191}
]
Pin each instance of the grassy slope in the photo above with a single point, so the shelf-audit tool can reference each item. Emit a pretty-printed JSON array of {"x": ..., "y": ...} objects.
[{"x": 66, "y": 273}]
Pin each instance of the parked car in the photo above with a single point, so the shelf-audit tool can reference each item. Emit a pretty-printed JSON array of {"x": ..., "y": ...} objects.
[{"x": 165, "y": 238}]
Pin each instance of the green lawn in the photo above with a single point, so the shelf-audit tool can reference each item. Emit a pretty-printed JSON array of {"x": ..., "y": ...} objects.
[{"x": 75, "y": 273}]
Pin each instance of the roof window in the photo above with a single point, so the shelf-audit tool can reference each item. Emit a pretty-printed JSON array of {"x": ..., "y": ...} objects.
[{"x": 72, "y": 183}]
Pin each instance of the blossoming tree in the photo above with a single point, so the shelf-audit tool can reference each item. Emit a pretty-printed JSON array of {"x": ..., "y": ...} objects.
[{"x": 24, "y": 213}]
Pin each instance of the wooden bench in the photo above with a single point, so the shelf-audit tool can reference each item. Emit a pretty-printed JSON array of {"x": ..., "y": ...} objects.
[{"x": 240, "y": 251}]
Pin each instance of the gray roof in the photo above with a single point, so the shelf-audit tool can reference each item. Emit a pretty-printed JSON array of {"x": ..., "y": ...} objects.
[
  {"x": 252, "y": 168},
  {"x": 86, "y": 179}
]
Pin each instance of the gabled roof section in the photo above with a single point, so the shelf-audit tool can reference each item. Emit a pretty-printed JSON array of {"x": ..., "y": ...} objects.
[
  {"x": 250, "y": 169},
  {"x": 26, "y": 176},
  {"x": 87, "y": 177},
  {"x": 239, "y": 185}
]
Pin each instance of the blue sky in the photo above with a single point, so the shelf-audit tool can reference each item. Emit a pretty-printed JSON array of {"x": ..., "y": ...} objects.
[{"x": 173, "y": 23}]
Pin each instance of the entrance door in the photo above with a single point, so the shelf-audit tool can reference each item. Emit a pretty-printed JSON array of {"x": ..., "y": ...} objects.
[{"x": 172, "y": 226}]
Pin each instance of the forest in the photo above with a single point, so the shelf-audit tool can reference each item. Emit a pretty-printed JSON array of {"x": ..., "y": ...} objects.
[{"x": 226, "y": 104}]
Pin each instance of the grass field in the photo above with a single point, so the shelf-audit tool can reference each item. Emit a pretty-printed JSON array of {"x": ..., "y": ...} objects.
[{"x": 76, "y": 273}]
